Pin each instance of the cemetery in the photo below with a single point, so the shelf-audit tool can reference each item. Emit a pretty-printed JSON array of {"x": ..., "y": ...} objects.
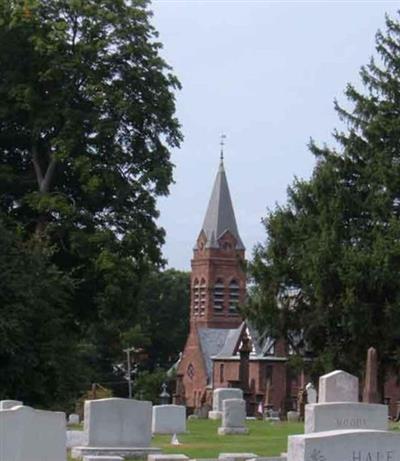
[
  {"x": 336, "y": 427},
  {"x": 110, "y": 352}
]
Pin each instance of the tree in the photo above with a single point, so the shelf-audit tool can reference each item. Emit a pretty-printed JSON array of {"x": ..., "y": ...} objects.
[
  {"x": 327, "y": 277},
  {"x": 87, "y": 121},
  {"x": 163, "y": 315},
  {"x": 40, "y": 361}
]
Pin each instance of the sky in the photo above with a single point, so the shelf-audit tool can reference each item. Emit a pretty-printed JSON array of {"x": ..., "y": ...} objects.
[{"x": 265, "y": 73}]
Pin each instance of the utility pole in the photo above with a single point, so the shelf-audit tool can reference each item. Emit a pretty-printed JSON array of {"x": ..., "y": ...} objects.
[{"x": 128, "y": 358}]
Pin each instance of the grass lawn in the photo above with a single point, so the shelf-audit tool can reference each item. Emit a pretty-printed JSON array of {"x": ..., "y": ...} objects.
[{"x": 202, "y": 441}]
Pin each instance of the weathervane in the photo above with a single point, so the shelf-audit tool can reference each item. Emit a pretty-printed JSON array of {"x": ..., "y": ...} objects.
[{"x": 222, "y": 144}]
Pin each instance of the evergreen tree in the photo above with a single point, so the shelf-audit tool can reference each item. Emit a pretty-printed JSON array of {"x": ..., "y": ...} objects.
[{"x": 327, "y": 278}]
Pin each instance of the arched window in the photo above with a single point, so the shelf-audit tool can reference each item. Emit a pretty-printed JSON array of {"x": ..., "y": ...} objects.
[
  {"x": 196, "y": 297},
  {"x": 219, "y": 295},
  {"x": 234, "y": 292},
  {"x": 203, "y": 292}
]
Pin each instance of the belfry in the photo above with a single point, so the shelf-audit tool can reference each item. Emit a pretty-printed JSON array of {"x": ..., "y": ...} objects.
[{"x": 218, "y": 281}]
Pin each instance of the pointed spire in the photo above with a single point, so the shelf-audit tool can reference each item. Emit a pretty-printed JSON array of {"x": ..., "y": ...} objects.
[{"x": 220, "y": 216}]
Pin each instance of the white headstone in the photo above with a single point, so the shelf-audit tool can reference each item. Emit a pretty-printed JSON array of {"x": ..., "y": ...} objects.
[
  {"x": 311, "y": 393},
  {"x": 8, "y": 404},
  {"x": 167, "y": 457},
  {"x": 357, "y": 445},
  {"x": 335, "y": 416},
  {"x": 169, "y": 419},
  {"x": 34, "y": 435},
  {"x": 338, "y": 386},
  {"x": 233, "y": 417},
  {"x": 118, "y": 423},
  {"x": 236, "y": 456},
  {"x": 219, "y": 395},
  {"x": 73, "y": 419}
]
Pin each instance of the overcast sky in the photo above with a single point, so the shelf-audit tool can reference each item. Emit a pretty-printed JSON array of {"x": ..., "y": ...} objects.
[{"x": 265, "y": 73}]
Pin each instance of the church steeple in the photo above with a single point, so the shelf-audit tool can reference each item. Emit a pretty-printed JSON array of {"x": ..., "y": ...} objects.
[
  {"x": 220, "y": 217},
  {"x": 218, "y": 281}
]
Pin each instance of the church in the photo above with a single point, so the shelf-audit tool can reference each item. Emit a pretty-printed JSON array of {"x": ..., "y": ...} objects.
[
  {"x": 215, "y": 353},
  {"x": 212, "y": 355}
]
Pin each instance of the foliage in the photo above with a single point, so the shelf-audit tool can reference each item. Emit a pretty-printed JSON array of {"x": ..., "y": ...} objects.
[
  {"x": 147, "y": 386},
  {"x": 163, "y": 299},
  {"x": 327, "y": 277},
  {"x": 39, "y": 358},
  {"x": 87, "y": 121}
]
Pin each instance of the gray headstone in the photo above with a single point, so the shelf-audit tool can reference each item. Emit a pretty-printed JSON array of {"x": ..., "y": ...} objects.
[
  {"x": 34, "y": 435},
  {"x": 73, "y": 419},
  {"x": 118, "y": 422},
  {"x": 357, "y": 445},
  {"x": 223, "y": 393},
  {"x": 8, "y": 404},
  {"x": 335, "y": 416},
  {"x": 233, "y": 417},
  {"x": 338, "y": 386},
  {"x": 169, "y": 419},
  {"x": 311, "y": 393}
]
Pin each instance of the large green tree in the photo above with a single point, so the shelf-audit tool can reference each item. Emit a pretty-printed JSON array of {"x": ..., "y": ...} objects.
[
  {"x": 87, "y": 122},
  {"x": 39, "y": 356},
  {"x": 327, "y": 278}
]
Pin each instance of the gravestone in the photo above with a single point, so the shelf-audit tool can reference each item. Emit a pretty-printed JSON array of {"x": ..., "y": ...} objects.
[
  {"x": 236, "y": 456},
  {"x": 355, "y": 445},
  {"x": 345, "y": 415},
  {"x": 371, "y": 394},
  {"x": 32, "y": 435},
  {"x": 8, "y": 404},
  {"x": 169, "y": 419},
  {"x": 221, "y": 394},
  {"x": 73, "y": 419},
  {"x": 311, "y": 393},
  {"x": 117, "y": 427},
  {"x": 233, "y": 417},
  {"x": 168, "y": 457},
  {"x": 338, "y": 386}
]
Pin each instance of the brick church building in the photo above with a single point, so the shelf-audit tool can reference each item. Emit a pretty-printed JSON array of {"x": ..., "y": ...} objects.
[
  {"x": 212, "y": 355},
  {"x": 211, "y": 358}
]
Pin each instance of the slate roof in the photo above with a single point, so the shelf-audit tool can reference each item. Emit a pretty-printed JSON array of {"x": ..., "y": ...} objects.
[
  {"x": 220, "y": 216},
  {"x": 222, "y": 343},
  {"x": 212, "y": 340}
]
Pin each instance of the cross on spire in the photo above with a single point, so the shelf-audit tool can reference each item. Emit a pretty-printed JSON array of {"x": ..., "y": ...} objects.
[{"x": 222, "y": 144}]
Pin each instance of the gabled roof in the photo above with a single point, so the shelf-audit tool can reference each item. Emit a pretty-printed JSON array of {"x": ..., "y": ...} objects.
[
  {"x": 223, "y": 343},
  {"x": 212, "y": 341},
  {"x": 220, "y": 216}
]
